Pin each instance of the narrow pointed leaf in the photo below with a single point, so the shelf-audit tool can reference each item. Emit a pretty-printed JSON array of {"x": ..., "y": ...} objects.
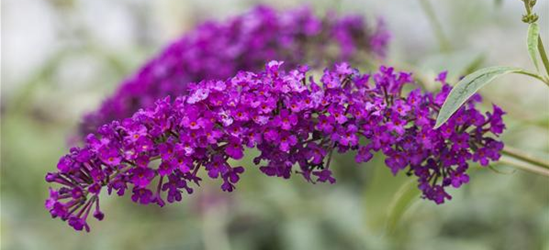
[
  {"x": 467, "y": 87},
  {"x": 533, "y": 34},
  {"x": 402, "y": 200}
]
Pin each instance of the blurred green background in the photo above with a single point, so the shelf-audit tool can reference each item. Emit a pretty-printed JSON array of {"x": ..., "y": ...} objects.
[{"x": 60, "y": 58}]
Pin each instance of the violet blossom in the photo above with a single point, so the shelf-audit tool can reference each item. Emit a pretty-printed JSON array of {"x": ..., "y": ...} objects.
[
  {"x": 219, "y": 49},
  {"x": 294, "y": 121}
]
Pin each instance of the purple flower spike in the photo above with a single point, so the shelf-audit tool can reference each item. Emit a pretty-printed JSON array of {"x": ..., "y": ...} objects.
[
  {"x": 219, "y": 49},
  {"x": 160, "y": 151}
]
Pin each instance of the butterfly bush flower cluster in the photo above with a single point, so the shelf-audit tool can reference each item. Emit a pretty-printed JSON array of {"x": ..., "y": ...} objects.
[
  {"x": 294, "y": 121},
  {"x": 217, "y": 50}
]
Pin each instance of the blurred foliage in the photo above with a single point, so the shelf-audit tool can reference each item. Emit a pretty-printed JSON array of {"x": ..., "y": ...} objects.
[{"x": 41, "y": 106}]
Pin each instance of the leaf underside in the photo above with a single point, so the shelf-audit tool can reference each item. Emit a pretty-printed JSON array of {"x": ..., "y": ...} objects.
[
  {"x": 467, "y": 87},
  {"x": 532, "y": 42}
]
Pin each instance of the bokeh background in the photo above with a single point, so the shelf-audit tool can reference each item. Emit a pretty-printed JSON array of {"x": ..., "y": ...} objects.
[{"x": 60, "y": 58}]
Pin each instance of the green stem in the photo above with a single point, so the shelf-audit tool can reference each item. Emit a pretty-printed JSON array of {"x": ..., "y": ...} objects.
[
  {"x": 543, "y": 55},
  {"x": 437, "y": 27},
  {"x": 523, "y": 156},
  {"x": 527, "y": 7},
  {"x": 546, "y": 81},
  {"x": 524, "y": 166}
]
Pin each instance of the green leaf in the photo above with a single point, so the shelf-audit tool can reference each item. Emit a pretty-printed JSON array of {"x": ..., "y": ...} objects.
[
  {"x": 379, "y": 193},
  {"x": 402, "y": 200},
  {"x": 469, "y": 86},
  {"x": 532, "y": 42}
]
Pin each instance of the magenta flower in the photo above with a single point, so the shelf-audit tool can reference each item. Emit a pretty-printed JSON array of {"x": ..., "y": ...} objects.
[
  {"x": 220, "y": 49},
  {"x": 170, "y": 143}
]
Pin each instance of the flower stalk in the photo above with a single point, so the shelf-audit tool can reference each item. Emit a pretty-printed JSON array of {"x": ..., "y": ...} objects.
[
  {"x": 523, "y": 156},
  {"x": 530, "y": 18},
  {"x": 544, "y": 58},
  {"x": 525, "y": 166}
]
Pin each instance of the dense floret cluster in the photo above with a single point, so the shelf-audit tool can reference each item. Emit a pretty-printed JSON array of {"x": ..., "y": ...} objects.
[
  {"x": 295, "y": 122},
  {"x": 217, "y": 50}
]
